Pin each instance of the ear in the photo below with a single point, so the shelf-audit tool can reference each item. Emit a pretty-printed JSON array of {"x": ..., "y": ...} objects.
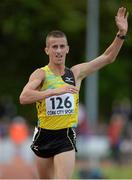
[
  {"x": 67, "y": 49},
  {"x": 46, "y": 51}
]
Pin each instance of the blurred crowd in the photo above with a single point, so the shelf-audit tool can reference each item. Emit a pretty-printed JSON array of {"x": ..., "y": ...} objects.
[{"x": 16, "y": 159}]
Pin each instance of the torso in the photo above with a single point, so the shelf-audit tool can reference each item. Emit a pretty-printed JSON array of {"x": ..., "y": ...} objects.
[{"x": 58, "y": 112}]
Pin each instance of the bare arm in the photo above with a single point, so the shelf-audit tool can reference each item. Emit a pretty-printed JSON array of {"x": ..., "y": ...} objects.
[
  {"x": 82, "y": 70},
  {"x": 32, "y": 90}
]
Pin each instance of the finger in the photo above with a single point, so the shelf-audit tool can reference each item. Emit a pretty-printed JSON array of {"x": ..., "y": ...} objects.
[
  {"x": 124, "y": 12},
  {"x": 73, "y": 87},
  {"x": 73, "y": 90},
  {"x": 119, "y": 12},
  {"x": 127, "y": 14}
]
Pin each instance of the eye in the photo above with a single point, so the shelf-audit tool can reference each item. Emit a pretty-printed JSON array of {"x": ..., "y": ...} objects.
[
  {"x": 62, "y": 46},
  {"x": 54, "y": 46}
]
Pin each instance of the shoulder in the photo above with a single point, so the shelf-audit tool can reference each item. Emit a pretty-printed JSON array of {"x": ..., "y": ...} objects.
[{"x": 38, "y": 74}]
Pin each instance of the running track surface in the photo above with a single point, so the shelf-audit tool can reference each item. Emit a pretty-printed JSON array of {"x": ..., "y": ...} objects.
[{"x": 17, "y": 169}]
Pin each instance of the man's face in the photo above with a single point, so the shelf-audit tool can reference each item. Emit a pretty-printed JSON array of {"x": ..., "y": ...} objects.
[{"x": 57, "y": 49}]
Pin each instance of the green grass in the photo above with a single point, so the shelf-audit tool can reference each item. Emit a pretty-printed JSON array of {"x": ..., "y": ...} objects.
[
  {"x": 118, "y": 172},
  {"x": 111, "y": 171}
]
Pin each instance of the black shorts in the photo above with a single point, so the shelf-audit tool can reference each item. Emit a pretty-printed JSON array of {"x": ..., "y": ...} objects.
[{"x": 47, "y": 143}]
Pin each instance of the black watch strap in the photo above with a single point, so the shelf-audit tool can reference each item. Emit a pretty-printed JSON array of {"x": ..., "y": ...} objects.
[{"x": 121, "y": 37}]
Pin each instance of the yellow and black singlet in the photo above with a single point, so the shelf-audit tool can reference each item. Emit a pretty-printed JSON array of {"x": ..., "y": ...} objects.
[{"x": 61, "y": 111}]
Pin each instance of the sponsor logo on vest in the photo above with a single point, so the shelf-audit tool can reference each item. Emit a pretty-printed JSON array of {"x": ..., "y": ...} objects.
[{"x": 69, "y": 79}]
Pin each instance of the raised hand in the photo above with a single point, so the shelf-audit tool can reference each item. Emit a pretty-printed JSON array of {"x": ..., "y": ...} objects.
[{"x": 121, "y": 20}]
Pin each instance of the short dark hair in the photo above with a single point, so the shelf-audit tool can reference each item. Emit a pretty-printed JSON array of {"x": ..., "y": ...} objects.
[{"x": 56, "y": 34}]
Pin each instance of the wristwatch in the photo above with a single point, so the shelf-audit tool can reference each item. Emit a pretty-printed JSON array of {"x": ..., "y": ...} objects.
[{"x": 122, "y": 37}]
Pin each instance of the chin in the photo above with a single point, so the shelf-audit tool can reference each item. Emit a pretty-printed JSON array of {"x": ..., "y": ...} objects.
[{"x": 59, "y": 62}]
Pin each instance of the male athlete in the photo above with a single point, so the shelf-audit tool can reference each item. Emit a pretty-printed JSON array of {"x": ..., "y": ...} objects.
[{"x": 55, "y": 89}]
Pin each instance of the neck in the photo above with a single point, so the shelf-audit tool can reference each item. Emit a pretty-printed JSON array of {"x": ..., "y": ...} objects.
[{"x": 57, "y": 69}]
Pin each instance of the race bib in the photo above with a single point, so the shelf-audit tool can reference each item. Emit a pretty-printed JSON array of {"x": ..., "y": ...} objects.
[{"x": 60, "y": 105}]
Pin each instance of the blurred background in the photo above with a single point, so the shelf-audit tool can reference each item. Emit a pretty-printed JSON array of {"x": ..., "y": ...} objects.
[{"x": 105, "y": 148}]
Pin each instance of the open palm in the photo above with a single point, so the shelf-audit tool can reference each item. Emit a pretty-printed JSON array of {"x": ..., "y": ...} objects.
[{"x": 121, "y": 20}]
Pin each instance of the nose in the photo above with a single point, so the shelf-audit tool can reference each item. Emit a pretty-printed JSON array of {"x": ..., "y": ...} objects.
[{"x": 58, "y": 50}]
